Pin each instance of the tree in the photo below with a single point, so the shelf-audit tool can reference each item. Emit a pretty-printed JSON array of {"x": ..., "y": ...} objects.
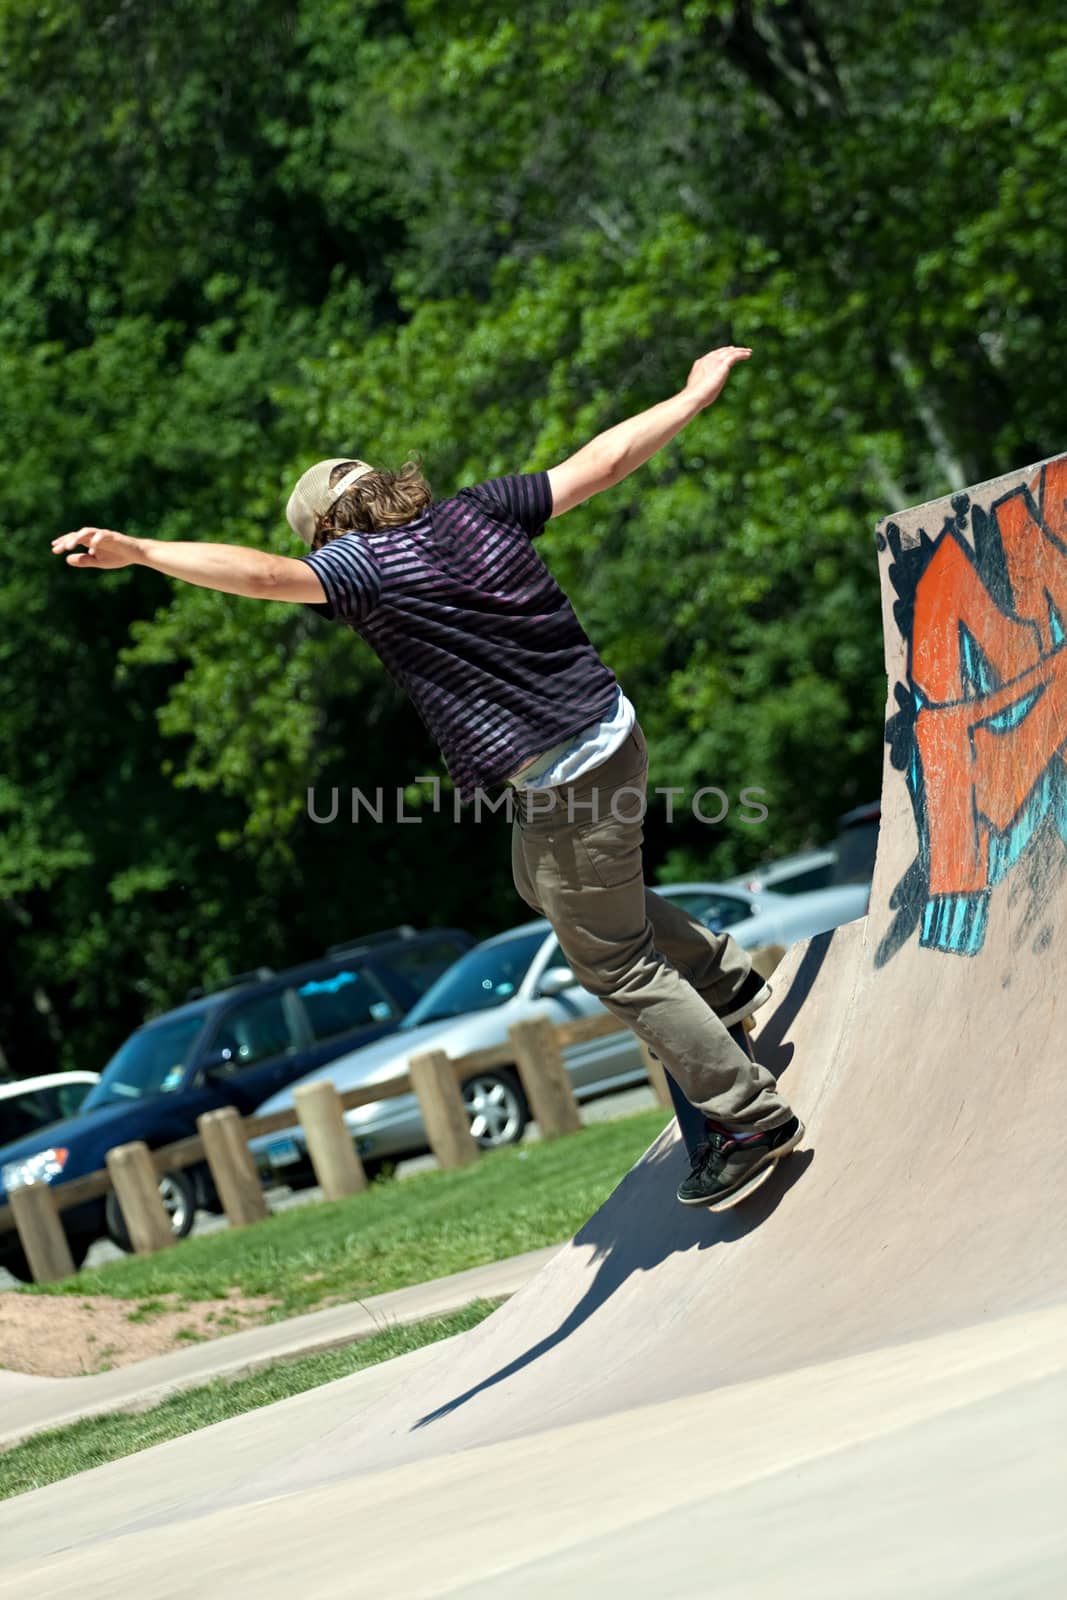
[{"x": 236, "y": 240}]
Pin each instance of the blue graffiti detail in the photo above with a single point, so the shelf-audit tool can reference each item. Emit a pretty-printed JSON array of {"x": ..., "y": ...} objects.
[
  {"x": 955, "y": 922},
  {"x": 1049, "y": 799},
  {"x": 1015, "y": 714},
  {"x": 976, "y": 673}
]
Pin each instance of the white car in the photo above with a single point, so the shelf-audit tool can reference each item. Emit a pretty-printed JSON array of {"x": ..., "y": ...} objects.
[
  {"x": 794, "y": 874},
  {"x": 32, "y": 1103},
  {"x": 504, "y": 980},
  {"x": 848, "y": 860},
  {"x": 760, "y": 917}
]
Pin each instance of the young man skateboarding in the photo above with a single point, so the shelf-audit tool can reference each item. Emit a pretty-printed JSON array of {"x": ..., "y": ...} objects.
[{"x": 466, "y": 617}]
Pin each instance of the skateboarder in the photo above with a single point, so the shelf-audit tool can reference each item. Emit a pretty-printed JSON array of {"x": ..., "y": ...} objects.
[{"x": 466, "y": 617}]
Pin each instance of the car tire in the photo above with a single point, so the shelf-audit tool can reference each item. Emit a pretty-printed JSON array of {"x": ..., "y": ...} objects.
[
  {"x": 13, "y": 1258},
  {"x": 177, "y": 1190},
  {"x": 376, "y": 1167},
  {"x": 497, "y": 1108},
  {"x": 301, "y": 1178},
  {"x": 204, "y": 1191}
]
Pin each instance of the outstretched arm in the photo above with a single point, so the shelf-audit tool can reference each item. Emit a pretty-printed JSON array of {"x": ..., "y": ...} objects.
[
  {"x": 614, "y": 454},
  {"x": 231, "y": 568}
]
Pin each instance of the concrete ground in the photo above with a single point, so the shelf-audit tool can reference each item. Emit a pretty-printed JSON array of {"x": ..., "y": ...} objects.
[
  {"x": 932, "y": 1469},
  {"x": 29, "y": 1405}
]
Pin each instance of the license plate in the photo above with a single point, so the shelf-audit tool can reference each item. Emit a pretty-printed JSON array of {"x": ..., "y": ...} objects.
[{"x": 283, "y": 1153}]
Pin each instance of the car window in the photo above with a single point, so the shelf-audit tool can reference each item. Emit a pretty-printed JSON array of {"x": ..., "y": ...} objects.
[
  {"x": 69, "y": 1097},
  {"x": 716, "y": 909},
  {"x": 256, "y": 1031},
  {"x": 152, "y": 1061},
  {"x": 688, "y": 901},
  {"x": 723, "y": 911},
  {"x": 23, "y": 1114},
  {"x": 486, "y": 976},
  {"x": 800, "y": 882},
  {"x": 856, "y": 850},
  {"x": 423, "y": 961},
  {"x": 350, "y": 998}
]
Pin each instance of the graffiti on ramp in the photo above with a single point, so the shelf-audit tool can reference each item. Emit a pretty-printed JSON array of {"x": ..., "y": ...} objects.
[{"x": 980, "y": 730}]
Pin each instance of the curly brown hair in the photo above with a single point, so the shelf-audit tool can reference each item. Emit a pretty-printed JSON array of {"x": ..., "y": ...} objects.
[{"x": 379, "y": 499}]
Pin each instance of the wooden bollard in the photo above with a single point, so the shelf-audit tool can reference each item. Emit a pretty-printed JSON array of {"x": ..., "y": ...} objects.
[
  {"x": 657, "y": 1076},
  {"x": 41, "y": 1232},
  {"x": 544, "y": 1077},
  {"x": 232, "y": 1167},
  {"x": 330, "y": 1145},
  {"x": 136, "y": 1183},
  {"x": 448, "y": 1125}
]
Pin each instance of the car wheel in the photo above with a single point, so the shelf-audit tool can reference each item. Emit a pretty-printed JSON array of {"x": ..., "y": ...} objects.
[
  {"x": 378, "y": 1167},
  {"x": 496, "y": 1106},
  {"x": 177, "y": 1190},
  {"x": 13, "y": 1259}
]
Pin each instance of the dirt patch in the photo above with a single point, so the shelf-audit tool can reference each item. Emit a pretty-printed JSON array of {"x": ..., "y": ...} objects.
[{"x": 60, "y": 1336}]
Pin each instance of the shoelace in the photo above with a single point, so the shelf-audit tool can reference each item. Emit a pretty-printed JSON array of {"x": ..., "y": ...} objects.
[{"x": 712, "y": 1151}]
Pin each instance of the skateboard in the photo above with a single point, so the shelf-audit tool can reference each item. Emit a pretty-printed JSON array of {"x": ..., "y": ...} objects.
[{"x": 691, "y": 1123}]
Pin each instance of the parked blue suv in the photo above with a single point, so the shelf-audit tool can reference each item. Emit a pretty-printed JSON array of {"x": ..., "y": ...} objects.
[{"x": 235, "y": 1046}]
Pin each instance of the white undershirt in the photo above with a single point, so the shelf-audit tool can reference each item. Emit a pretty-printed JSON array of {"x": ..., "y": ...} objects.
[{"x": 575, "y": 757}]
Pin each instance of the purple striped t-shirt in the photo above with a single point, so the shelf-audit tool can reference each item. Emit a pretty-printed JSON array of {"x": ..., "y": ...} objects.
[{"x": 469, "y": 621}]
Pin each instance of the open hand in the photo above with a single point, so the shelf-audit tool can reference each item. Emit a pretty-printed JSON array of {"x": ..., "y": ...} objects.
[
  {"x": 104, "y": 548},
  {"x": 708, "y": 375}
]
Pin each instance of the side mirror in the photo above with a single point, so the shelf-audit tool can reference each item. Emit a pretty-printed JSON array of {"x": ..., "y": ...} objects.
[
  {"x": 217, "y": 1064},
  {"x": 554, "y": 981}
]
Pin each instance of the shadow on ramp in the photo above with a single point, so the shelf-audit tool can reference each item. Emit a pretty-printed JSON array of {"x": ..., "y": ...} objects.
[
  {"x": 642, "y": 1226},
  {"x": 772, "y": 1050},
  {"x": 620, "y": 1251}
]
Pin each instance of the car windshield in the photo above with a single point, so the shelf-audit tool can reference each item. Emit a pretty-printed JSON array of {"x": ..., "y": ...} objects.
[
  {"x": 724, "y": 911},
  {"x": 714, "y": 908},
  {"x": 152, "y": 1061},
  {"x": 486, "y": 976},
  {"x": 856, "y": 850},
  {"x": 798, "y": 880},
  {"x": 23, "y": 1114}
]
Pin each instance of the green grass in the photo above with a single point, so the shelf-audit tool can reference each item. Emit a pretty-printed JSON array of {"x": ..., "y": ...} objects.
[
  {"x": 60, "y": 1453},
  {"x": 395, "y": 1234}
]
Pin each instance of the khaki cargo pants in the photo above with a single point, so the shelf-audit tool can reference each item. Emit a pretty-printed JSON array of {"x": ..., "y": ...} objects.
[{"x": 650, "y": 963}]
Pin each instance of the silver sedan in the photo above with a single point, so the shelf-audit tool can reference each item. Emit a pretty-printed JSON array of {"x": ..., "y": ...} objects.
[{"x": 505, "y": 980}]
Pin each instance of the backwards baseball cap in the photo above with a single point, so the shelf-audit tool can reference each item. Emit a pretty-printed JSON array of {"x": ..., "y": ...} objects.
[{"x": 313, "y": 496}]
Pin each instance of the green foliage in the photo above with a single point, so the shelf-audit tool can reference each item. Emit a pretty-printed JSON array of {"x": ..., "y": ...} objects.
[{"x": 236, "y": 239}]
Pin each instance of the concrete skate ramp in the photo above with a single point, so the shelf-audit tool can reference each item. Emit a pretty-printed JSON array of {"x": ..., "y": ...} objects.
[
  {"x": 907, "y": 1261},
  {"x": 923, "y": 1048}
]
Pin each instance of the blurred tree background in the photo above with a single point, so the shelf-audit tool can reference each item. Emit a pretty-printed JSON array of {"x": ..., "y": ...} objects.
[{"x": 236, "y": 237}]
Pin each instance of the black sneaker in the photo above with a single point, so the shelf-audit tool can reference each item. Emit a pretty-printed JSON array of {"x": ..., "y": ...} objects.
[
  {"x": 725, "y": 1162},
  {"x": 753, "y": 993}
]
